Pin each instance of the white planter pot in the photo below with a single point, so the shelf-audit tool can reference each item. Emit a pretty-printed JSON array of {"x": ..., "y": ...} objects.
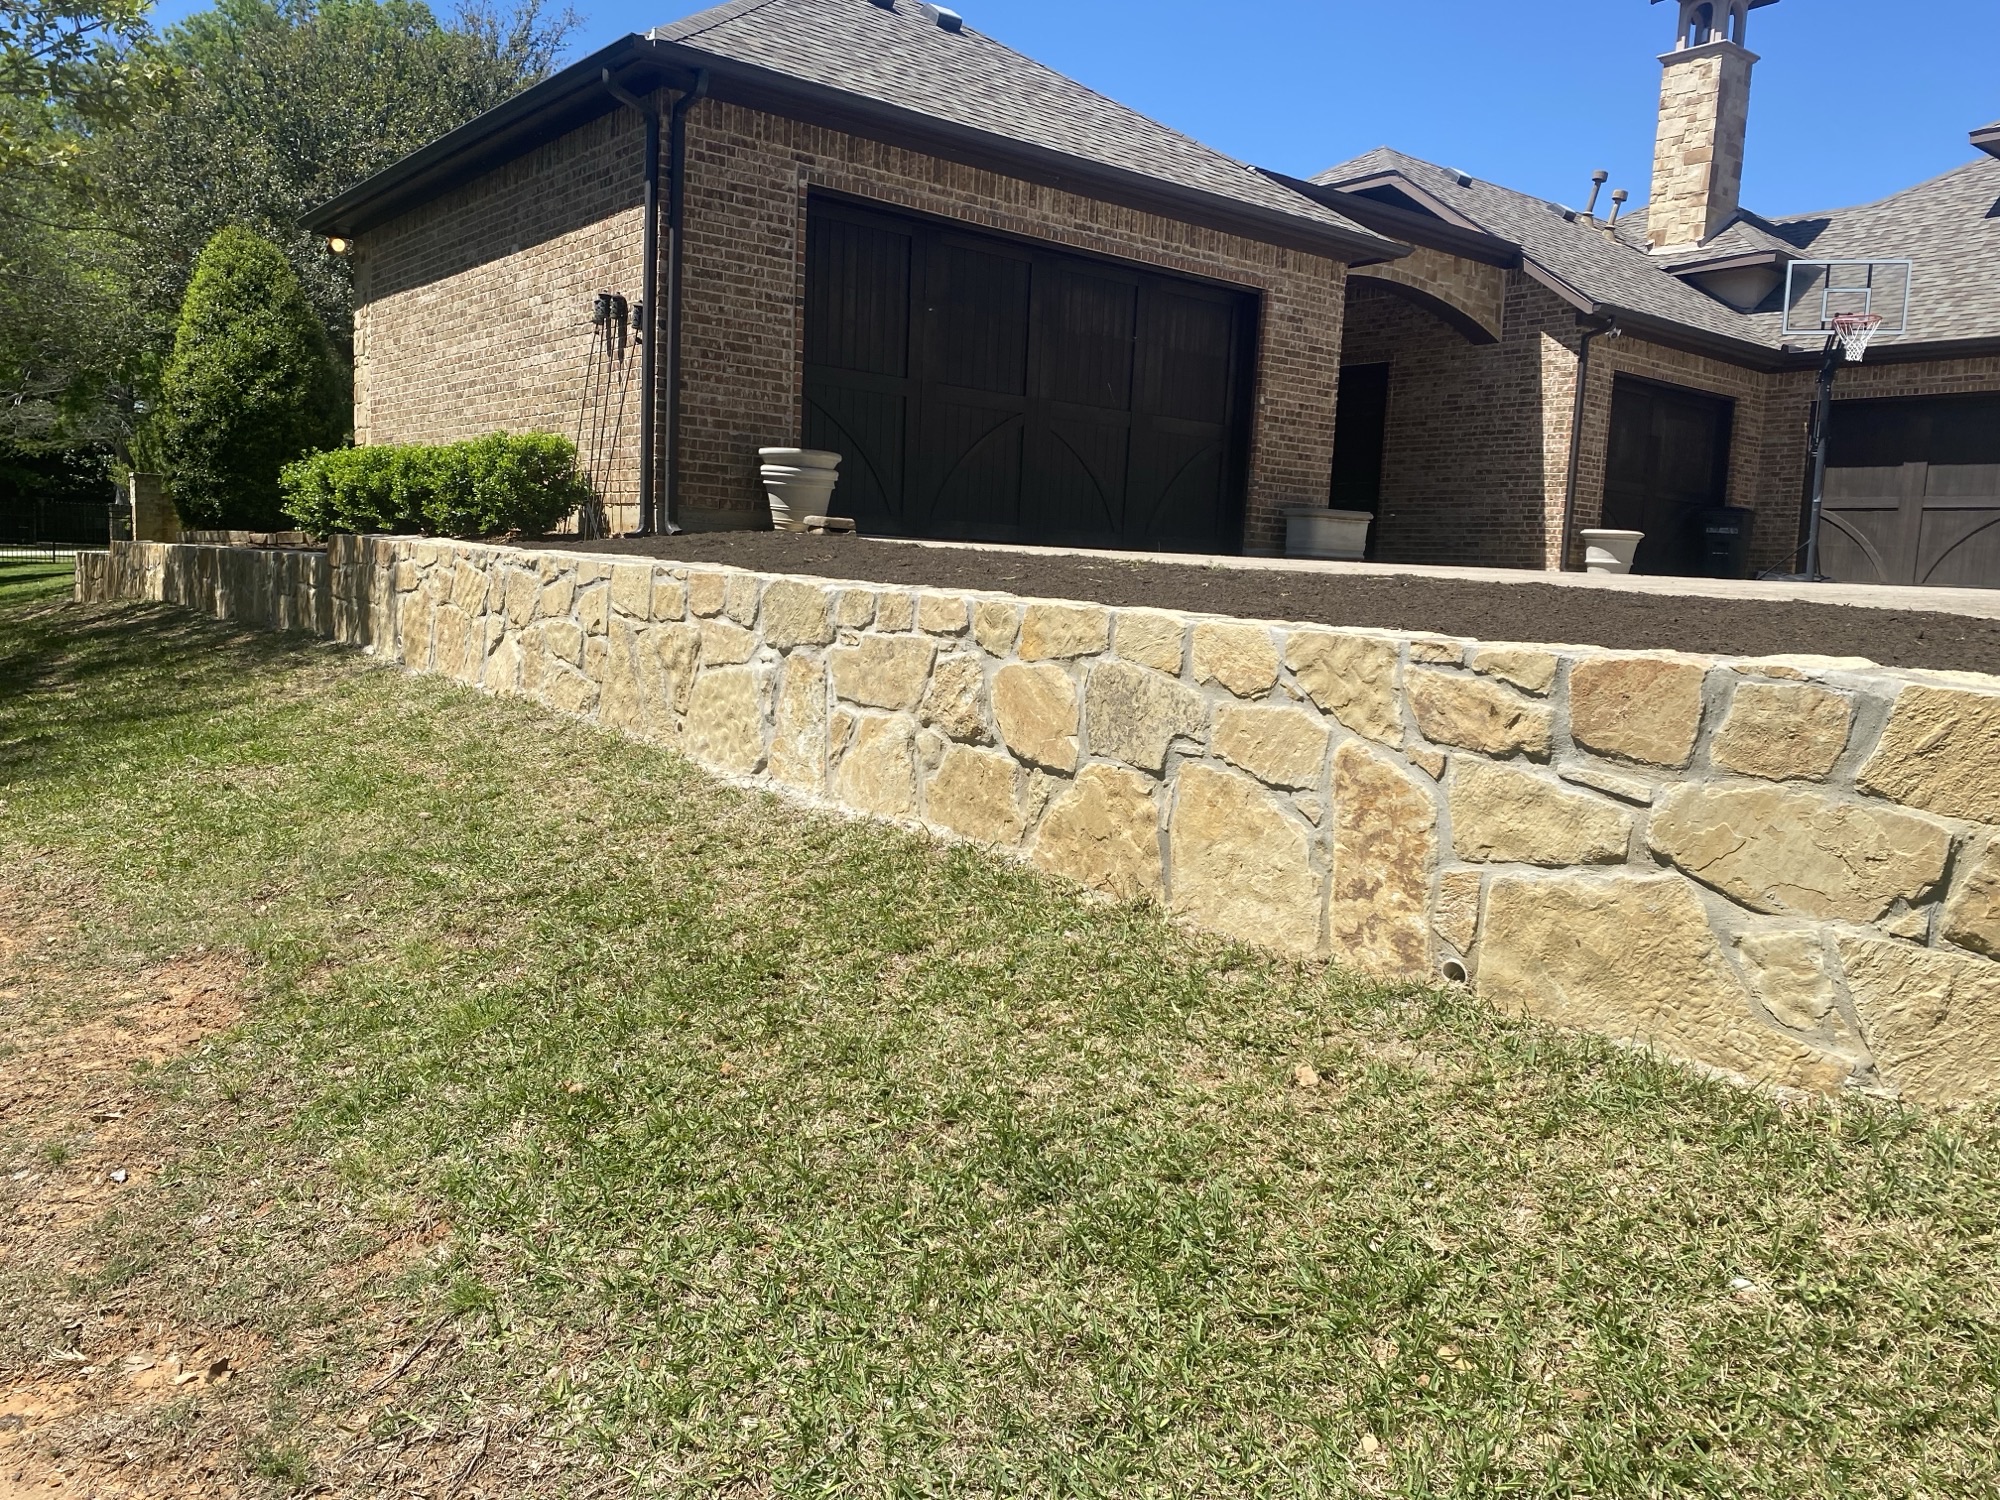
[
  {"x": 1610, "y": 552},
  {"x": 1328, "y": 535},
  {"x": 799, "y": 483}
]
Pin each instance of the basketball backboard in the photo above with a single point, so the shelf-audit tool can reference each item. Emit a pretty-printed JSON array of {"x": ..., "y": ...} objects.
[{"x": 1818, "y": 292}]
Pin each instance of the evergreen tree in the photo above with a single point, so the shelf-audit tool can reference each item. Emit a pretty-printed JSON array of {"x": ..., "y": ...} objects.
[{"x": 250, "y": 386}]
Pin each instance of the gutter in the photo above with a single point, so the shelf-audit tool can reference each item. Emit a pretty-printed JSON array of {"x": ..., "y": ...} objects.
[
  {"x": 1590, "y": 336},
  {"x": 649, "y": 281},
  {"x": 676, "y": 220}
]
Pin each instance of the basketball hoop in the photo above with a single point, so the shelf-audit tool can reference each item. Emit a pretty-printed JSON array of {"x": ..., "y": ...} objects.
[{"x": 1854, "y": 330}]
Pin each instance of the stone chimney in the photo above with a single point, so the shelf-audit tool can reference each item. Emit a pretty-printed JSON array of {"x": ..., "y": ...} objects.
[{"x": 1704, "y": 117}]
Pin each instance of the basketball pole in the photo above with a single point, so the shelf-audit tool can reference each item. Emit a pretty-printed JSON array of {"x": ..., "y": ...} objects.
[{"x": 1822, "y": 426}]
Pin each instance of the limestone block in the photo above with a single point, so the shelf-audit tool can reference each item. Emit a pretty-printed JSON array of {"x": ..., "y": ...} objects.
[
  {"x": 1787, "y": 972},
  {"x": 796, "y": 614},
  {"x": 1356, "y": 678},
  {"x": 460, "y": 648},
  {"x": 468, "y": 587},
  {"x": 956, "y": 699},
  {"x": 1152, "y": 638},
  {"x": 1776, "y": 850},
  {"x": 632, "y": 590},
  {"x": 1036, "y": 707},
  {"x": 1972, "y": 915},
  {"x": 1638, "y": 708},
  {"x": 1311, "y": 805},
  {"x": 562, "y": 639},
  {"x": 1504, "y": 815},
  {"x": 1940, "y": 751},
  {"x": 1279, "y": 746},
  {"x": 414, "y": 625},
  {"x": 1240, "y": 866},
  {"x": 1431, "y": 762},
  {"x": 1456, "y": 916},
  {"x": 1104, "y": 832},
  {"x": 622, "y": 703},
  {"x": 669, "y": 598},
  {"x": 593, "y": 609},
  {"x": 557, "y": 596},
  {"x": 996, "y": 625},
  {"x": 878, "y": 774},
  {"x": 1135, "y": 714},
  {"x": 976, "y": 794},
  {"x": 943, "y": 614},
  {"x": 726, "y": 645},
  {"x": 931, "y": 747},
  {"x": 1475, "y": 714},
  {"x": 1632, "y": 957},
  {"x": 739, "y": 598},
  {"x": 725, "y": 720},
  {"x": 1240, "y": 657},
  {"x": 798, "y": 740},
  {"x": 1384, "y": 853},
  {"x": 1051, "y": 632},
  {"x": 894, "y": 612},
  {"x": 884, "y": 671},
  {"x": 1783, "y": 731},
  {"x": 1624, "y": 788},
  {"x": 705, "y": 593},
  {"x": 1932, "y": 1019},
  {"x": 565, "y": 689},
  {"x": 856, "y": 608},
  {"x": 1437, "y": 651},
  {"x": 677, "y": 648},
  {"x": 1527, "y": 669}
]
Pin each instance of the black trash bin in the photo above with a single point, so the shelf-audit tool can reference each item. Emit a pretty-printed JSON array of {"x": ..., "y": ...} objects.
[{"x": 1725, "y": 542}]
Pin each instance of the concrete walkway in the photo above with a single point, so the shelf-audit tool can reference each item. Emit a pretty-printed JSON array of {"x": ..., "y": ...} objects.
[{"x": 1981, "y": 604}]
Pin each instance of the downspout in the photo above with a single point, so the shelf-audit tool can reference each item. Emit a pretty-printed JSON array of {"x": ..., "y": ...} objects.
[
  {"x": 649, "y": 278},
  {"x": 1590, "y": 336},
  {"x": 676, "y": 218}
]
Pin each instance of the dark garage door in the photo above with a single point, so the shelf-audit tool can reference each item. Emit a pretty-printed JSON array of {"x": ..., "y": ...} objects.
[
  {"x": 1913, "y": 492},
  {"x": 1669, "y": 462},
  {"x": 986, "y": 390}
]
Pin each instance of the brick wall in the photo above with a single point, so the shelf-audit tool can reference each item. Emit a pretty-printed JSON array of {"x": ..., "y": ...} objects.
[
  {"x": 474, "y": 310},
  {"x": 1477, "y": 450},
  {"x": 749, "y": 175}
]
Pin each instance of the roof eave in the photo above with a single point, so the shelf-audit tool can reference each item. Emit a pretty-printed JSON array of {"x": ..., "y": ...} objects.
[
  {"x": 1987, "y": 138},
  {"x": 557, "y": 104},
  {"x": 1403, "y": 225}
]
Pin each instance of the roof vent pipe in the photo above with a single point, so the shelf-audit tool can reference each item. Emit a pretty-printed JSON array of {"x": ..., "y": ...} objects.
[
  {"x": 1597, "y": 181},
  {"x": 1619, "y": 198}
]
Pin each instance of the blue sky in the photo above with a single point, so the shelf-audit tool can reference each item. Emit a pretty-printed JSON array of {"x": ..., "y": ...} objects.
[{"x": 1531, "y": 93}]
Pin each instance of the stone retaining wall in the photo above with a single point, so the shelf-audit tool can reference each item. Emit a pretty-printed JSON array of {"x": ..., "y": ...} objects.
[{"x": 1785, "y": 869}]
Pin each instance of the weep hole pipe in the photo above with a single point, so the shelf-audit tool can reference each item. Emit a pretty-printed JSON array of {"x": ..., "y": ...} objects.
[{"x": 1590, "y": 336}]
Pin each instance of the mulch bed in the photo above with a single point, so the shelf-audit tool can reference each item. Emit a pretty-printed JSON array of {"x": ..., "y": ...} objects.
[{"x": 1523, "y": 611}]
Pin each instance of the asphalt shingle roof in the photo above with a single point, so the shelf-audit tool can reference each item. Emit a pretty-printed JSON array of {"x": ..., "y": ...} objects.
[
  {"x": 898, "y": 55},
  {"x": 1950, "y": 226}
]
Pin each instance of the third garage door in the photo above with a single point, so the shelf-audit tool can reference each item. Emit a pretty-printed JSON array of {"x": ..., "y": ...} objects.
[
  {"x": 983, "y": 389},
  {"x": 1913, "y": 492}
]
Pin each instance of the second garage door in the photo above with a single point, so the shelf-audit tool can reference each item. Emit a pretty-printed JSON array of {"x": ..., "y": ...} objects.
[{"x": 983, "y": 389}]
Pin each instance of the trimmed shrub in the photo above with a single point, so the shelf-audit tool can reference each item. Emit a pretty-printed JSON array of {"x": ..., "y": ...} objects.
[
  {"x": 525, "y": 482},
  {"x": 250, "y": 386}
]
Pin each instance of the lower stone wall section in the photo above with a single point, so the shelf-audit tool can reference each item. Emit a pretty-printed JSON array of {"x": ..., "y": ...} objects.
[{"x": 1784, "y": 869}]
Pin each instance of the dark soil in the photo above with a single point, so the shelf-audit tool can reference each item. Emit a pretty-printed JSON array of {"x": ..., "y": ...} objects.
[{"x": 1481, "y": 611}]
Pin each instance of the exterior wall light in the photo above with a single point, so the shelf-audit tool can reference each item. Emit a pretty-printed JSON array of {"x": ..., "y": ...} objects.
[{"x": 338, "y": 244}]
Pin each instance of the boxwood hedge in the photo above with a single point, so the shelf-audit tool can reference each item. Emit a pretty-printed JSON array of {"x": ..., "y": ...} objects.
[{"x": 525, "y": 482}]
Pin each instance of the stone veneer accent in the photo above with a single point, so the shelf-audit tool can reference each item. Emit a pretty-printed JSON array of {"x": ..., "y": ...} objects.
[{"x": 1786, "y": 869}]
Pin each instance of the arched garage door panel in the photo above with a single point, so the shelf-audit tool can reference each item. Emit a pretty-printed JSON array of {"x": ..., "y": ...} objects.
[
  {"x": 986, "y": 390},
  {"x": 1913, "y": 492}
]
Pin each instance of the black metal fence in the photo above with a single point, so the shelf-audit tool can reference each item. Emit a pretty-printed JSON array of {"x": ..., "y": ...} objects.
[{"x": 33, "y": 527}]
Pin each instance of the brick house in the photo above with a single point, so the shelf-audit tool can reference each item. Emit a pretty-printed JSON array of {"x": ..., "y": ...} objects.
[
  {"x": 1671, "y": 320},
  {"x": 1022, "y": 311}
]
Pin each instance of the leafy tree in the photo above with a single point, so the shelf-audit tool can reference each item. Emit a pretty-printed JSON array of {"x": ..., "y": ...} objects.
[
  {"x": 71, "y": 63},
  {"x": 286, "y": 103},
  {"x": 250, "y": 387}
]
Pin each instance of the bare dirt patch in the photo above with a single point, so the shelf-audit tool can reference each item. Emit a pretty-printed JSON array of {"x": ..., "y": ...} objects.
[{"x": 78, "y": 1121}]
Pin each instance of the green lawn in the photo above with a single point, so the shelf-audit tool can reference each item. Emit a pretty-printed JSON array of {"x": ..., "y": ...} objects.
[{"x": 720, "y": 1147}]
